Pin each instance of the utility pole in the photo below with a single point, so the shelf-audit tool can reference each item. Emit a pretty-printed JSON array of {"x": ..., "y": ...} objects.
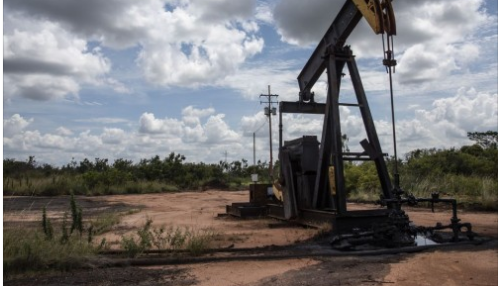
[
  {"x": 254, "y": 148},
  {"x": 269, "y": 111}
]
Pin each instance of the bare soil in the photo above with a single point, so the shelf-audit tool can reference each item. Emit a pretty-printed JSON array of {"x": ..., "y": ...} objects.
[{"x": 458, "y": 265}]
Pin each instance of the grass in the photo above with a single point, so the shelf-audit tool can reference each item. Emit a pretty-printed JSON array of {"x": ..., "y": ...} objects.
[
  {"x": 144, "y": 187},
  {"x": 54, "y": 246},
  {"x": 471, "y": 192},
  {"x": 199, "y": 240},
  {"x": 62, "y": 244},
  {"x": 31, "y": 250},
  {"x": 65, "y": 185},
  {"x": 479, "y": 193},
  {"x": 194, "y": 240},
  {"x": 105, "y": 222},
  {"x": 45, "y": 186},
  {"x": 365, "y": 196},
  {"x": 489, "y": 194}
]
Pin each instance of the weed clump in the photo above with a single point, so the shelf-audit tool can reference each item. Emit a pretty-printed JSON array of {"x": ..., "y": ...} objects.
[
  {"x": 51, "y": 248},
  {"x": 192, "y": 240}
]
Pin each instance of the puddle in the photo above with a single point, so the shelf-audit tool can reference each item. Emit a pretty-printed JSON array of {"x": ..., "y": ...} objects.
[{"x": 421, "y": 240}]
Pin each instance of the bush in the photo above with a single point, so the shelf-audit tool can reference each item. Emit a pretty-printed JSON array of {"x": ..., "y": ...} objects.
[{"x": 214, "y": 183}]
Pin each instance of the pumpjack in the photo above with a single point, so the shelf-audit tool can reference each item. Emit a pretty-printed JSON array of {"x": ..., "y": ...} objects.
[
  {"x": 311, "y": 183},
  {"x": 312, "y": 173}
]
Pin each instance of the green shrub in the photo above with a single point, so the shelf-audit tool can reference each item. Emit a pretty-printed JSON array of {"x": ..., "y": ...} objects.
[
  {"x": 47, "y": 225},
  {"x": 471, "y": 191},
  {"x": 143, "y": 241},
  {"x": 214, "y": 183}
]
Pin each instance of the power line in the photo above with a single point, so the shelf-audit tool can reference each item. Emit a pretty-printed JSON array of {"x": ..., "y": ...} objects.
[{"x": 254, "y": 144}]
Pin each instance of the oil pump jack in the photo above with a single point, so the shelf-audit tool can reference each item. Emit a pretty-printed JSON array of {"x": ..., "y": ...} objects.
[
  {"x": 312, "y": 173},
  {"x": 311, "y": 184},
  {"x": 306, "y": 163}
]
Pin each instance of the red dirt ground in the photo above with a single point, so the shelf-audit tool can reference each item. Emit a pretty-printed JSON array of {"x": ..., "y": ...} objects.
[{"x": 463, "y": 265}]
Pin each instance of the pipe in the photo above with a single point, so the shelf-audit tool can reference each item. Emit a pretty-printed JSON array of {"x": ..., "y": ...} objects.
[{"x": 266, "y": 257}]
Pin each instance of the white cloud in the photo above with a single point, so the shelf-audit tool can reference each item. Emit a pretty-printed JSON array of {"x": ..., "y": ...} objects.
[
  {"x": 452, "y": 45},
  {"x": 116, "y": 23},
  {"x": 43, "y": 61},
  {"x": 113, "y": 136},
  {"x": 33, "y": 142},
  {"x": 41, "y": 87},
  {"x": 151, "y": 125},
  {"x": 14, "y": 125},
  {"x": 192, "y": 111},
  {"x": 195, "y": 54},
  {"x": 89, "y": 144},
  {"x": 217, "y": 130},
  {"x": 222, "y": 10},
  {"x": 254, "y": 123},
  {"x": 264, "y": 13},
  {"x": 192, "y": 116},
  {"x": 190, "y": 128},
  {"x": 182, "y": 43},
  {"x": 442, "y": 125},
  {"x": 435, "y": 38},
  {"x": 445, "y": 124},
  {"x": 117, "y": 86},
  {"x": 469, "y": 110},
  {"x": 420, "y": 65},
  {"x": 278, "y": 74},
  {"x": 193, "y": 133},
  {"x": 154, "y": 137},
  {"x": 198, "y": 43},
  {"x": 296, "y": 126},
  {"x": 63, "y": 131},
  {"x": 50, "y": 141}
]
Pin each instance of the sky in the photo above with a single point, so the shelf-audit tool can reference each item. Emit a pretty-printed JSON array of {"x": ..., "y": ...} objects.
[{"x": 134, "y": 79}]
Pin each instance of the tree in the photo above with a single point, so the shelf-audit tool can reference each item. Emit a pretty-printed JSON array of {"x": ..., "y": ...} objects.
[
  {"x": 101, "y": 165},
  {"x": 345, "y": 141},
  {"x": 122, "y": 164},
  {"x": 12, "y": 167},
  {"x": 487, "y": 140},
  {"x": 85, "y": 166}
]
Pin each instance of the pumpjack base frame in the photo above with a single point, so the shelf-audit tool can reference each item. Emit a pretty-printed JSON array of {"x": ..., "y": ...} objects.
[
  {"x": 247, "y": 210},
  {"x": 260, "y": 206},
  {"x": 346, "y": 223}
]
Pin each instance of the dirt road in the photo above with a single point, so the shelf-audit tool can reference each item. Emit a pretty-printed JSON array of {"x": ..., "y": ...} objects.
[{"x": 463, "y": 265}]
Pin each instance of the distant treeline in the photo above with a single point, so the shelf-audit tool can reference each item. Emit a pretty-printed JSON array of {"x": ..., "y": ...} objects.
[
  {"x": 470, "y": 172},
  {"x": 99, "y": 176}
]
